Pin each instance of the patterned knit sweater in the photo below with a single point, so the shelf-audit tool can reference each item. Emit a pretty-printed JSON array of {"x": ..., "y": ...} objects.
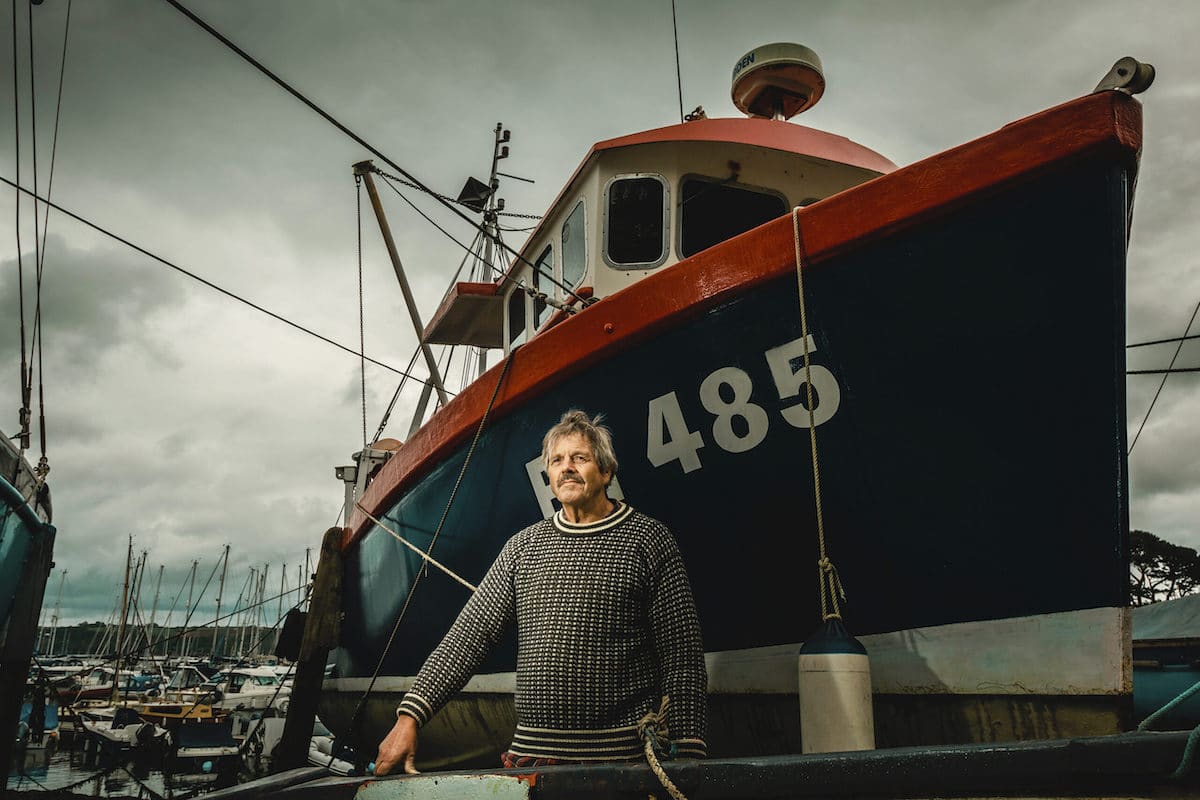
[{"x": 606, "y": 625}]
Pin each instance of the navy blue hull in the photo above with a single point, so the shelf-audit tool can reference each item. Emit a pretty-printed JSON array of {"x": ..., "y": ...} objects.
[{"x": 973, "y": 467}]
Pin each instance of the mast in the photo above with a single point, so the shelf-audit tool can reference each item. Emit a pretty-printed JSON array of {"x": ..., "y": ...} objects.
[
  {"x": 491, "y": 224},
  {"x": 183, "y": 640},
  {"x": 54, "y": 616},
  {"x": 135, "y": 595},
  {"x": 262, "y": 611},
  {"x": 154, "y": 612},
  {"x": 124, "y": 613},
  {"x": 363, "y": 169},
  {"x": 279, "y": 613},
  {"x": 220, "y": 592}
]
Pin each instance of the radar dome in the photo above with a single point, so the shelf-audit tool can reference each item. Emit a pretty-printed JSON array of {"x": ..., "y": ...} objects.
[{"x": 777, "y": 81}]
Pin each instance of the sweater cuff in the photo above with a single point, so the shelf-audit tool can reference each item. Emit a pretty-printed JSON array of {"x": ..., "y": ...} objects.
[
  {"x": 690, "y": 748},
  {"x": 415, "y": 706}
]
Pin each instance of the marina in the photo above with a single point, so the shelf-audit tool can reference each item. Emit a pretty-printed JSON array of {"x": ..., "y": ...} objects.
[{"x": 872, "y": 532}]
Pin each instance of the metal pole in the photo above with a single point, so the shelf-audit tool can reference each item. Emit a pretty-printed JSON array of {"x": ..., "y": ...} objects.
[
  {"x": 124, "y": 613},
  {"x": 363, "y": 169},
  {"x": 279, "y": 613},
  {"x": 54, "y": 617},
  {"x": 220, "y": 591},
  {"x": 183, "y": 640},
  {"x": 154, "y": 611}
]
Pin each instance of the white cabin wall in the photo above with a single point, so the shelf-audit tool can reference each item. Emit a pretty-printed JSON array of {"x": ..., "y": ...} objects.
[{"x": 797, "y": 177}]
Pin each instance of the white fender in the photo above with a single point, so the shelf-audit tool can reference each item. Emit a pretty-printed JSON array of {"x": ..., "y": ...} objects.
[{"x": 835, "y": 692}]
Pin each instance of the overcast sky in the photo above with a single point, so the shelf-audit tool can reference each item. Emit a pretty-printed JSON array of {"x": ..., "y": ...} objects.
[{"x": 190, "y": 421}]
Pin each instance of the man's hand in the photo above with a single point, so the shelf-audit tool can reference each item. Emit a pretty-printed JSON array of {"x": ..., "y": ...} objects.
[{"x": 398, "y": 748}]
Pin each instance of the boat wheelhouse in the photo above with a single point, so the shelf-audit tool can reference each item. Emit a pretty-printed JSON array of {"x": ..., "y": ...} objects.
[{"x": 644, "y": 202}]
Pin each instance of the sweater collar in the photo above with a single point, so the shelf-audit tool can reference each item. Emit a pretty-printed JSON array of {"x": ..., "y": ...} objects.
[{"x": 619, "y": 515}]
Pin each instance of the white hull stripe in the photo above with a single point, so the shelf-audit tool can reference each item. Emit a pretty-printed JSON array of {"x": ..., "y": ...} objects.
[{"x": 1067, "y": 653}]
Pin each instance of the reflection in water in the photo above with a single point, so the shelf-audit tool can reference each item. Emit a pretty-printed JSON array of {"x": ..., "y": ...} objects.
[{"x": 86, "y": 771}]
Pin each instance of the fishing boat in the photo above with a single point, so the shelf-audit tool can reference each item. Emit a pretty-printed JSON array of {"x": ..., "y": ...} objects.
[{"x": 965, "y": 344}]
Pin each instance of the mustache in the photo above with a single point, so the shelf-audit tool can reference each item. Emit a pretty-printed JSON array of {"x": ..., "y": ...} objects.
[{"x": 570, "y": 478}]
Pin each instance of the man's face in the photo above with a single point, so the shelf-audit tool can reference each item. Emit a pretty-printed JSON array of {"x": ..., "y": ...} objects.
[{"x": 574, "y": 476}]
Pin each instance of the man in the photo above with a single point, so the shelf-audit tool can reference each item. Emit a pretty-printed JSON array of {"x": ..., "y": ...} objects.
[{"x": 606, "y": 625}]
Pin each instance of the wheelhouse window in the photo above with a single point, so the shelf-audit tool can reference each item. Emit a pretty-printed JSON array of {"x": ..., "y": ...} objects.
[
  {"x": 543, "y": 271},
  {"x": 635, "y": 222},
  {"x": 574, "y": 250},
  {"x": 712, "y": 210},
  {"x": 516, "y": 316}
]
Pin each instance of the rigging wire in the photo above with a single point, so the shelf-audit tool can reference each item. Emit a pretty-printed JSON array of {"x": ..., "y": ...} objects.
[
  {"x": 678, "y": 72},
  {"x": 210, "y": 284},
  {"x": 1167, "y": 371},
  {"x": 43, "y": 466},
  {"x": 62, "y": 71},
  {"x": 482, "y": 233},
  {"x": 23, "y": 432},
  {"x": 1164, "y": 341},
  {"x": 447, "y": 198},
  {"x": 1163, "y": 382},
  {"x": 396, "y": 395},
  {"x": 584, "y": 302}
]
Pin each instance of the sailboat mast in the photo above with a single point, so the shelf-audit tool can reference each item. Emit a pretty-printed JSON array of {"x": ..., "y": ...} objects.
[
  {"x": 54, "y": 616},
  {"x": 183, "y": 640},
  {"x": 124, "y": 613},
  {"x": 279, "y": 613},
  {"x": 154, "y": 611},
  {"x": 220, "y": 592}
]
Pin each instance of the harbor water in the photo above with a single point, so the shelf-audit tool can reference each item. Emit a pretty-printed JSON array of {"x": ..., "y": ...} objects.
[{"x": 73, "y": 769}]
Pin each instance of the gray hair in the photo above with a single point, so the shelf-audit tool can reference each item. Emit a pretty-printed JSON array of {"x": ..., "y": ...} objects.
[{"x": 590, "y": 428}]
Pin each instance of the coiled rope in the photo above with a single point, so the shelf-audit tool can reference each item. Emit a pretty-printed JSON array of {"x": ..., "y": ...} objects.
[
  {"x": 652, "y": 730},
  {"x": 827, "y": 577}
]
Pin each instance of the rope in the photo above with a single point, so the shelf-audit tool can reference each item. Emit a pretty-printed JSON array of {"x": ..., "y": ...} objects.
[
  {"x": 447, "y": 198},
  {"x": 23, "y": 418},
  {"x": 428, "y": 558},
  {"x": 1189, "y": 750},
  {"x": 357, "y": 716},
  {"x": 62, "y": 71},
  {"x": 351, "y": 134},
  {"x": 505, "y": 276},
  {"x": 1163, "y": 383},
  {"x": 678, "y": 74},
  {"x": 38, "y": 260},
  {"x": 828, "y": 582},
  {"x": 652, "y": 730},
  {"x": 203, "y": 281}
]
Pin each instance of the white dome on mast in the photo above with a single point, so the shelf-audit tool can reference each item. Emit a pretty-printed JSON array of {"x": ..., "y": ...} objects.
[{"x": 777, "y": 81}]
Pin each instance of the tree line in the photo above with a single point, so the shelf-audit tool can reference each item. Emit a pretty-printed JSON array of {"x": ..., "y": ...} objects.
[{"x": 1160, "y": 570}]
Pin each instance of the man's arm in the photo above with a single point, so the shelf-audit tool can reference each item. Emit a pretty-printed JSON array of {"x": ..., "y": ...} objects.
[
  {"x": 675, "y": 627},
  {"x": 482, "y": 622}
]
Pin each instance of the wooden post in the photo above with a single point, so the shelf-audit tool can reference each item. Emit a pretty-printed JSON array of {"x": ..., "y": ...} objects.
[
  {"x": 321, "y": 632},
  {"x": 20, "y": 637}
]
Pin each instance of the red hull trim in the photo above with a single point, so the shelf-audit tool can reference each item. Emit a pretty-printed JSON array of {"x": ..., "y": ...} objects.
[{"x": 1109, "y": 123}]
